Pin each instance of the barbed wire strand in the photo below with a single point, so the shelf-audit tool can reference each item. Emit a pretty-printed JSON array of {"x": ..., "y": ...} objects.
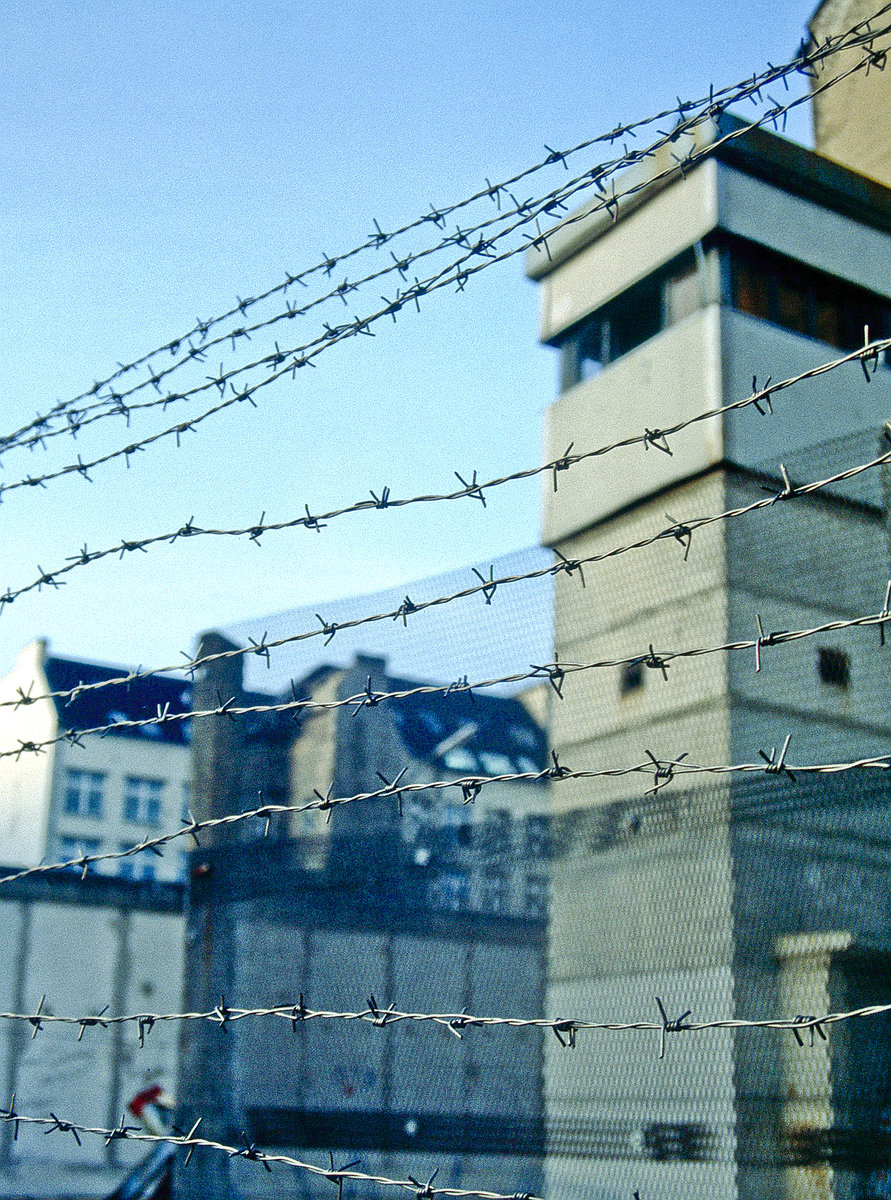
[
  {"x": 380, "y": 1017},
  {"x": 716, "y": 102},
  {"x": 474, "y": 489},
  {"x": 249, "y": 1152},
  {"x": 680, "y": 531},
  {"x": 457, "y": 273},
  {"x": 662, "y": 771},
  {"x": 554, "y": 673}
]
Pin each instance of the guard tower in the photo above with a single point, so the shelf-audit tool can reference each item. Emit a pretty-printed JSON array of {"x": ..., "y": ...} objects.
[{"x": 763, "y": 260}]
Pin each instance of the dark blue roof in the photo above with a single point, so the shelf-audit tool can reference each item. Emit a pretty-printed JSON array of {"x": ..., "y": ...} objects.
[
  {"x": 490, "y": 735},
  {"x": 124, "y": 702}
]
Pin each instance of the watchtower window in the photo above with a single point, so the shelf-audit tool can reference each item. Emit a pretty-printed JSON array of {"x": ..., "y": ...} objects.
[
  {"x": 834, "y": 667},
  {"x": 795, "y": 296},
  {"x": 750, "y": 289},
  {"x": 631, "y": 319},
  {"x": 636, "y": 317},
  {"x": 632, "y": 678}
]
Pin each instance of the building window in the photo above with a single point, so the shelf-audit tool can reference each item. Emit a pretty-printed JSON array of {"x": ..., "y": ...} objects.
[
  {"x": 757, "y": 281},
  {"x": 450, "y": 891},
  {"x": 453, "y": 834},
  {"x": 494, "y": 834},
  {"x": 494, "y": 893},
  {"x": 666, "y": 1142},
  {"x": 142, "y": 800},
  {"x": 537, "y": 837},
  {"x": 126, "y": 866},
  {"x": 77, "y": 847},
  {"x": 636, "y": 317},
  {"x": 834, "y": 667},
  {"x": 136, "y": 866},
  {"x": 631, "y": 319},
  {"x": 798, "y": 297},
  {"x": 83, "y": 793},
  {"x": 631, "y": 679},
  {"x": 750, "y": 293},
  {"x": 535, "y": 896}
]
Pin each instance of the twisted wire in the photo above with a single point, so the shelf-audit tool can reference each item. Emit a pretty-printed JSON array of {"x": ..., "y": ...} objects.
[
  {"x": 457, "y": 273},
  {"x": 715, "y": 103},
  {"x": 249, "y": 1152},
  {"x": 380, "y": 1017},
  {"x": 474, "y": 489},
  {"x": 661, "y": 770},
  {"x": 681, "y": 532}
]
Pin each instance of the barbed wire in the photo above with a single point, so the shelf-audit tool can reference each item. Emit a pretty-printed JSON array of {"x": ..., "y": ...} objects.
[
  {"x": 249, "y": 1152},
  {"x": 716, "y": 102},
  {"x": 554, "y": 673},
  {"x": 680, "y": 531},
  {"x": 474, "y": 489},
  {"x": 564, "y": 1029},
  {"x": 380, "y": 1017},
  {"x": 457, "y": 273},
  {"x": 374, "y": 241},
  {"x": 661, "y": 770}
]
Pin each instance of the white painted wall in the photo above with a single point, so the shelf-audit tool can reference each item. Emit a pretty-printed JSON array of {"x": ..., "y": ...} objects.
[
  {"x": 25, "y": 779},
  {"x": 82, "y": 956}
]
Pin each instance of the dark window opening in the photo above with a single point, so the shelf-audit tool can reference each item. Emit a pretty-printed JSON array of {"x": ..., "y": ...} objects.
[
  {"x": 807, "y": 301},
  {"x": 535, "y": 896},
  {"x": 635, "y": 318},
  {"x": 665, "y": 1142},
  {"x": 792, "y": 306},
  {"x": 494, "y": 834},
  {"x": 632, "y": 679},
  {"x": 834, "y": 667},
  {"x": 760, "y": 282},
  {"x": 494, "y": 892},
  {"x": 630, "y": 320},
  {"x": 537, "y": 839},
  {"x": 84, "y": 793},
  {"x": 750, "y": 290}
]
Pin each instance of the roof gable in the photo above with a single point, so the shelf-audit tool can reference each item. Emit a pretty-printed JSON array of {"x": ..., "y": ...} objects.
[{"x": 133, "y": 701}]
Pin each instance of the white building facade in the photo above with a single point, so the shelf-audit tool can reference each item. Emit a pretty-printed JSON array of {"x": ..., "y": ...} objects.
[{"x": 90, "y": 794}]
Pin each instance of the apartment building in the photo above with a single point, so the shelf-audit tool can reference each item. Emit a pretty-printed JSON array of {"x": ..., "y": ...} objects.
[{"x": 90, "y": 792}]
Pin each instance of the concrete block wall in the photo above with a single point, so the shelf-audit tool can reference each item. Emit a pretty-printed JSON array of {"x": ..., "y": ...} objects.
[
  {"x": 799, "y": 565},
  {"x": 270, "y": 939},
  {"x": 84, "y": 945},
  {"x": 648, "y": 596},
  {"x": 640, "y": 910}
]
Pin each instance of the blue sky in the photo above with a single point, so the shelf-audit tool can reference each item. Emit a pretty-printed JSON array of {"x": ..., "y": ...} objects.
[{"x": 160, "y": 159}]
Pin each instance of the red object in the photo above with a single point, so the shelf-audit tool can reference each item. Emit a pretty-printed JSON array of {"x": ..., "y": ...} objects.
[{"x": 152, "y": 1095}]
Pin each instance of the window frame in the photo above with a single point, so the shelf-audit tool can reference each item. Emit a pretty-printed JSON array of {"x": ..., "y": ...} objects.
[
  {"x": 605, "y": 336},
  {"x": 84, "y": 794},
  {"x": 834, "y": 311},
  {"x": 818, "y": 305},
  {"x": 73, "y": 846},
  {"x": 143, "y": 802}
]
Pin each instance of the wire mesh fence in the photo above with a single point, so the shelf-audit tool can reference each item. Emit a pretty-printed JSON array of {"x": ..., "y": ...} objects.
[{"x": 565, "y": 875}]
